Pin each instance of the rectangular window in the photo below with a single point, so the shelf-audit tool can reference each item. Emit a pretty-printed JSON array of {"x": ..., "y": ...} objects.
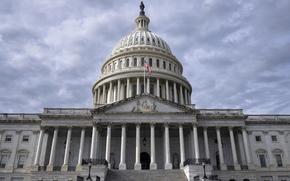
[
  {"x": 164, "y": 65},
  {"x": 142, "y": 61},
  {"x": 150, "y": 62},
  {"x": 21, "y": 161},
  {"x": 279, "y": 160},
  {"x": 157, "y": 63},
  {"x": 8, "y": 138},
  {"x": 274, "y": 138},
  {"x": 25, "y": 138},
  {"x": 135, "y": 62},
  {"x": 127, "y": 63},
  {"x": 3, "y": 160},
  {"x": 258, "y": 138},
  {"x": 262, "y": 161},
  {"x": 170, "y": 66}
]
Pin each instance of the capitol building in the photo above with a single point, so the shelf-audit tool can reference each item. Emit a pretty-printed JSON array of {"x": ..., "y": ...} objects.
[{"x": 143, "y": 126}]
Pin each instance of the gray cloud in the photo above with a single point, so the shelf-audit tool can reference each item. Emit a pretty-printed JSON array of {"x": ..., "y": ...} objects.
[{"x": 235, "y": 53}]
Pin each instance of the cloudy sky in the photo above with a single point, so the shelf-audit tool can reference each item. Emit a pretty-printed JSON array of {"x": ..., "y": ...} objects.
[{"x": 236, "y": 54}]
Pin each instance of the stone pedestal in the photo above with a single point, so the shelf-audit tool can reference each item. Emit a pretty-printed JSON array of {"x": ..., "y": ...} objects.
[
  {"x": 64, "y": 168},
  {"x": 223, "y": 167},
  {"x": 122, "y": 166},
  {"x": 79, "y": 168},
  {"x": 49, "y": 168},
  {"x": 34, "y": 168},
  {"x": 137, "y": 166},
  {"x": 168, "y": 166},
  {"x": 237, "y": 167},
  {"x": 153, "y": 166}
]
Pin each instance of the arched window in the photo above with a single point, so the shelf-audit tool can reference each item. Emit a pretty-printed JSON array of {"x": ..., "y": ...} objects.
[
  {"x": 4, "y": 157},
  {"x": 261, "y": 154},
  {"x": 22, "y": 156},
  {"x": 157, "y": 63},
  {"x": 277, "y": 153}
]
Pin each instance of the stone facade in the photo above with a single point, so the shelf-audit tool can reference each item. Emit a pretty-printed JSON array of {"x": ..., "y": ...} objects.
[{"x": 143, "y": 123}]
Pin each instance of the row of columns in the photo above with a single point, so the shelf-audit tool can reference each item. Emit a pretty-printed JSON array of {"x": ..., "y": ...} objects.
[
  {"x": 116, "y": 95},
  {"x": 153, "y": 165}
]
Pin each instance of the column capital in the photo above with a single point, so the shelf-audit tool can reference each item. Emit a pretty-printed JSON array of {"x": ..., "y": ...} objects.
[
  {"x": 218, "y": 127},
  {"x": 231, "y": 128},
  {"x": 204, "y": 127}
]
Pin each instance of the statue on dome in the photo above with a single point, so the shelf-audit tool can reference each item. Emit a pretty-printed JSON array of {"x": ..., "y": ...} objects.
[{"x": 142, "y": 12}]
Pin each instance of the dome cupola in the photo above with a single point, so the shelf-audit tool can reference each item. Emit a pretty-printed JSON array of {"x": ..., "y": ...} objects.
[{"x": 123, "y": 71}]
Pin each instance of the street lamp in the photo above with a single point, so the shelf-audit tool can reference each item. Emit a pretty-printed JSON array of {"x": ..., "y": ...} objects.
[
  {"x": 89, "y": 176},
  {"x": 204, "y": 174}
]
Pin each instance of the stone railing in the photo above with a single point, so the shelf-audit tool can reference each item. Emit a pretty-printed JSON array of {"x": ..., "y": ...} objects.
[
  {"x": 82, "y": 111},
  {"x": 221, "y": 111},
  {"x": 265, "y": 117},
  {"x": 18, "y": 116}
]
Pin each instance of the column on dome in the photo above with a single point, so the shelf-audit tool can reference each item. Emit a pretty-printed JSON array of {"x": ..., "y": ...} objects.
[
  {"x": 137, "y": 165},
  {"x": 206, "y": 147},
  {"x": 189, "y": 98},
  {"x": 122, "y": 165},
  {"x": 148, "y": 85},
  {"x": 175, "y": 92},
  {"x": 104, "y": 94},
  {"x": 185, "y": 96},
  {"x": 158, "y": 87},
  {"x": 99, "y": 94},
  {"x": 95, "y": 97},
  {"x": 114, "y": 98},
  {"x": 196, "y": 145},
  {"x": 109, "y": 100},
  {"x": 167, "y": 90},
  {"x": 168, "y": 164},
  {"x": 181, "y": 144},
  {"x": 234, "y": 151},
  {"x": 81, "y": 149},
  {"x": 67, "y": 150},
  {"x": 52, "y": 151},
  {"x": 181, "y": 100},
  {"x": 220, "y": 148},
  {"x": 119, "y": 90},
  {"x": 138, "y": 86},
  {"x": 153, "y": 165},
  {"x": 122, "y": 96},
  {"x": 128, "y": 88},
  {"x": 108, "y": 146}
]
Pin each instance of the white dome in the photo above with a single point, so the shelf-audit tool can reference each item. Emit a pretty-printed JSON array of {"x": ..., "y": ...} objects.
[{"x": 141, "y": 38}]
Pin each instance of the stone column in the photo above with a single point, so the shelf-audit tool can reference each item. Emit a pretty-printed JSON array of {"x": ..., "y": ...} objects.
[
  {"x": 38, "y": 148},
  {"x": 207, "y": 155},
  {"x": 220, "y": 148},
  {"x": 109, "y": 100},
  {"x": 81, "y": 149},
  {"x": 128, "y": 88},
  {"x": 104, "y": 94},
  {"x": 138, "y": 86},
  {"x": 158, "y": 88},
  {"x": 196, "y": 145},
  {"x": 247, "y": 150},
  {"x": 167, "y": 90},
  {"x": 52, "y": 151},
  {"x": 95, "y": 97},
  {"x": 181, "y": 144},
  {"x": 99, "y": 94},
  {"x": 93, "y": 142},
  {"x": 66, "y": 152},
  {"x": 137, "y": 161},
  {"x": 189, "y": 98},
  {"x": 181, "y": 94},
  {"x": 148, "y": 85},
  {"x": 168, "y": 164},
  {"x": 119, "y": 90},
  {"x": 185, "y": 98},
  {"x": 122, "y": 165},
  {"x": 234, "y": 151},
  {"x": 175, "y": 92},
  {"x": 108, "y": 145},
  {"x": 153, "y": 165}
]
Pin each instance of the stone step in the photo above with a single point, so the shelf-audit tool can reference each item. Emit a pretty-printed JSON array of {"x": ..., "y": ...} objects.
[{"x": 146, "y": 175}]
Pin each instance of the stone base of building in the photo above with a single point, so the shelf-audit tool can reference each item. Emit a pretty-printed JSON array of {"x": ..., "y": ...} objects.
[
  {"x": 122, "y": 166},
  {"x": 168, "y": 166},
  {"x": 153, "y": 166},
  {"x": 137, "y": 166}
]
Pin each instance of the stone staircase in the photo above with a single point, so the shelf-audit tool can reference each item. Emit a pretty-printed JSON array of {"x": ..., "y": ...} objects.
[{"x": 146, "y": 175}]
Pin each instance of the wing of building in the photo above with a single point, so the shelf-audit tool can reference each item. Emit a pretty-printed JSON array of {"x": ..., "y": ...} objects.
[{"x": 143, "y": 126}]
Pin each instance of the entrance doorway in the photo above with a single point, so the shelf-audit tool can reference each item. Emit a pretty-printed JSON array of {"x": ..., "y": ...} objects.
[{"x": 145, "y": 160}]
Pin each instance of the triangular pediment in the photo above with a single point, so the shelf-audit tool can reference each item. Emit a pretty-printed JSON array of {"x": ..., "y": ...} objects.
[{"x": 144, "y": 104}]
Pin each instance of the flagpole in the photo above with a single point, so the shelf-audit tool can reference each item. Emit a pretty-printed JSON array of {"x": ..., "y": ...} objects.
[{"x": 144, "y": 76}]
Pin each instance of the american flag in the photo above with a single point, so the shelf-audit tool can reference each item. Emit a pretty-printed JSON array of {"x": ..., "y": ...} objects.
[{"x": 147, "y": 67}]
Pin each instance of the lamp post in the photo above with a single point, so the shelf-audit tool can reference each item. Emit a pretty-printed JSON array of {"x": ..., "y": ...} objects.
[
  {"x": 89, "y": 176},
  {"x": 204, "y": 174}
]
